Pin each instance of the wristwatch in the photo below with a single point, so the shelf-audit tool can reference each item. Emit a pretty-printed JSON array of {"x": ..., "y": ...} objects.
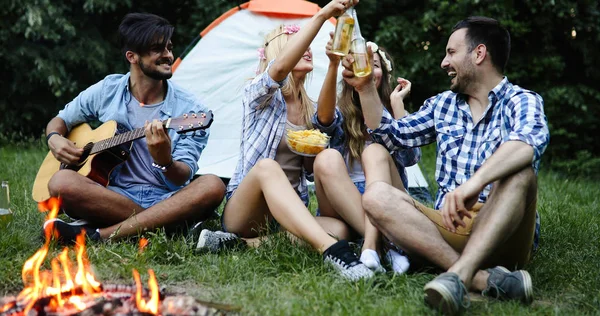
[{"x": 162, "y": 168}]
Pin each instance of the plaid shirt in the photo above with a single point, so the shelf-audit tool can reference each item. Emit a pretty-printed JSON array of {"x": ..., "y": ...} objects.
[
  {"x": 262, "y": 128},
  {"x": 513, "y": 114},
  {"x": 402, "y": 157}
]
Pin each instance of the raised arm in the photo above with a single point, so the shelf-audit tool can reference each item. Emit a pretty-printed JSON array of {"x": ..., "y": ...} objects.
[
  {"x": 299, "y": 43},
  {"x": 397, "y": 97},
  {"x": 327, "y": 96}
]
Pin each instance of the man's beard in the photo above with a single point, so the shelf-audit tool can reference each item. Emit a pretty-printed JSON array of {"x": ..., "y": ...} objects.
[
  {"x": 155, "y": 74},
  {"x": 466, "y": 78}
]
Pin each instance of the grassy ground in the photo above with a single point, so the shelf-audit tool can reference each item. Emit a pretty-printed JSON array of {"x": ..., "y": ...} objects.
[{"x": 281, "y": 278}]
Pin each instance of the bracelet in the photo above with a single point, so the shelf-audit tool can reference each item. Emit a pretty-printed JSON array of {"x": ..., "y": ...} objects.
[
  {"x": 161, "y": 167},
  {"x": 52, "y": 134}
]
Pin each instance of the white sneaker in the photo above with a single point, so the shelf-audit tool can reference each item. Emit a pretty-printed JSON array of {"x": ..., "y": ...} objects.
[
  {"x": 345, "y": 261},
  {"x": 399, "y": 262},
  {"x": 371, "y": 259}
]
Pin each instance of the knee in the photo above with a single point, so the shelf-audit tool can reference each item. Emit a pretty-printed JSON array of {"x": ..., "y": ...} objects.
[
  {"x": 522, "y": 180},
  {"x": 378, "y": 202},
  {"x": 375, "y": 153},
  {"x": 62, "y": 184},
  {"x": 328, "y": 163},
  {"x": 213, "y": 187},
  {"x": 267, "y": 167},
  {"x": 372, "y": 199}
]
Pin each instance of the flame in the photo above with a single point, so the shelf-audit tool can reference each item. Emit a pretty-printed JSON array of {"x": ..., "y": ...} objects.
[
  {"x": 150, "y": 306},
  {"x": 64, "y": 289},
  {"x": 143, "y": 244},
  {"x": 70, "y": 285}
]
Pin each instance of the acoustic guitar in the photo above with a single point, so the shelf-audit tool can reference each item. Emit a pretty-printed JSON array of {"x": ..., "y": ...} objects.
[{"x": 104, "y": 149}]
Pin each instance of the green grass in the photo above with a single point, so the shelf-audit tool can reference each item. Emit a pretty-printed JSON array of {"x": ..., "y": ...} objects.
[{"x": 283, "y": 278}]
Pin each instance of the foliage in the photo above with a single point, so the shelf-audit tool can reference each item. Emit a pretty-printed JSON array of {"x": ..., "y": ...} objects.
[{"x": 55, "y": 49}]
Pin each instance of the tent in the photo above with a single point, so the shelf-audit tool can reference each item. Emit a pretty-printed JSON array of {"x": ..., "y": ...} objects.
[{"x": 225, "y": 58}]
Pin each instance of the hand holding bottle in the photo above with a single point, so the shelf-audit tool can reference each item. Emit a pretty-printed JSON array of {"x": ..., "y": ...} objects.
[
  {"x": 336, "y": 8},
  {"x": 358, "y": 83},
  {"x": 333, "y": 58}
]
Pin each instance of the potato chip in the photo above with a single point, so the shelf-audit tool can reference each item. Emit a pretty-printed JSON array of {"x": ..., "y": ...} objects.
[{"x": 307, "y": 142}]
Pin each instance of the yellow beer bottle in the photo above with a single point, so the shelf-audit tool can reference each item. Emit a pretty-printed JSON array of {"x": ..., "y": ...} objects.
[
  {"x": 343, "y": 32},
  {"x": 361, "y": 65},
  {"x": 5, "y": 212}
]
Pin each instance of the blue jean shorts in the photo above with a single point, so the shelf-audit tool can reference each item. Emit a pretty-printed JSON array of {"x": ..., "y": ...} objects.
[{"x": 143, "y": 195}]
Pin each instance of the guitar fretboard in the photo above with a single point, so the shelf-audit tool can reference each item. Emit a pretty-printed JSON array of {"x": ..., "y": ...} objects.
[{"x": 117, "y": 140}]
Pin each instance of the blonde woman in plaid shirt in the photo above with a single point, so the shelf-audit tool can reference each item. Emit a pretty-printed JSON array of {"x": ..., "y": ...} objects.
[
  {"x": 268, "y": 187},
  {"x": 490, "y": 137}
]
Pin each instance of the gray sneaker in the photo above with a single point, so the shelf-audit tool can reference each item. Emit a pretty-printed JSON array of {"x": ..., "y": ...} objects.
[
  {"x": 447, "y": 293},
  {"x": 218, "y": 240},
  {"x": 345, "y": 261},
  {"x": 506, "y": 285}
]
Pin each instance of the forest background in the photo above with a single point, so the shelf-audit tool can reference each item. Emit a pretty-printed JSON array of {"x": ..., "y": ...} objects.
[{"x": 52, "y": 50}]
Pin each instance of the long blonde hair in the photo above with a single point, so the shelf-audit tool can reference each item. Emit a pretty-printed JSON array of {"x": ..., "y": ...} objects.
[
  {"x": 274, "y": 43},
  {"x": 349, "y": 104}
]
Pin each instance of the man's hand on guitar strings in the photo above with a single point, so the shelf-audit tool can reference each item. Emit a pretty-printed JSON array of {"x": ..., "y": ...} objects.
[
  {"x": 159, "y": 143},
  {"x": 64, "y": 150}
]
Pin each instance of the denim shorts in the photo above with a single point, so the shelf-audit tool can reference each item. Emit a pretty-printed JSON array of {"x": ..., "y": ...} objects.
[
  {"x": 360, "y": 185},
  {"x": 144, "y": 195}
]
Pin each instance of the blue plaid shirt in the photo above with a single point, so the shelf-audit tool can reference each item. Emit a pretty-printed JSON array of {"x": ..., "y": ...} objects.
[
  {"x": 262, "y": 128},
  {"x": 402, "y": 157},
  {"x": 463, "y": 146}
]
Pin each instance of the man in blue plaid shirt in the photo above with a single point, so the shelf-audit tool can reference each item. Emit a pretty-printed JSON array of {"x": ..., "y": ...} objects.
[{"x": 490, "y": 137}]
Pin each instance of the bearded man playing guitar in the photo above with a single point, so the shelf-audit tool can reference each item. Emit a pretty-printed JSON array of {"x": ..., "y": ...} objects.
[{"x": 152, "y": 189}]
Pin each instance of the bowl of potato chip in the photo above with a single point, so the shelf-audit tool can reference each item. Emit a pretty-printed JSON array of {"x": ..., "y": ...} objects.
[{"x": 307, "y": 142}]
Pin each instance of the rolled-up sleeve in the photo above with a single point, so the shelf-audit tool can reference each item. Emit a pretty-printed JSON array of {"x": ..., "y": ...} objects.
[
  {"x": 529, "y": 123},
  {"x": 413, "y": 130},
  {"x": 188, "y": 148},
  {"x": 333, "y": 130},
  {"x": 84, "y": 108},
  {"x": 261, "y": 89}
]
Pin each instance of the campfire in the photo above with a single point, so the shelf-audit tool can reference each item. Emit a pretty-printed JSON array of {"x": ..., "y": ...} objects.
[{"x": 70, "y": 287}]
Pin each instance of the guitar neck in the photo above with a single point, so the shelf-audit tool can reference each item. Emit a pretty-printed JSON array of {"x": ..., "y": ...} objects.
[{"x": 121, "y": 139}]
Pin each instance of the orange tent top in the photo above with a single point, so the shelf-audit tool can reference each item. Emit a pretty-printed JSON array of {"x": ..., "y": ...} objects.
[{"x": 276, "y": 8}]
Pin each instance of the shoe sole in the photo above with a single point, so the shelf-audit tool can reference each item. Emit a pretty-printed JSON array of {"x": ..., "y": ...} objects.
[
  {"x": 438, "y": 297},
  {"x": 528, "y": 287},
  {"x": 202, "y": 240}
]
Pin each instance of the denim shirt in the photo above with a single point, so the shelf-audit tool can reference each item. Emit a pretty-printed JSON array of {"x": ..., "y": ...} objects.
[
  {"x": 107, "y": 100},
  {"x": 402, "y": 157}
]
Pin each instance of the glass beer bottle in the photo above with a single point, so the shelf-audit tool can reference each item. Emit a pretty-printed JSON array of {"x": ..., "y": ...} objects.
[
  {"x": 343, "y": 32},
  {"x": 361, "y": 65},
  {"x": 5, "y": 212}
]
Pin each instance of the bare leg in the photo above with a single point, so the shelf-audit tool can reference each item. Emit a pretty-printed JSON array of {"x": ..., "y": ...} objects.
[
  {"x": 336, "y": 193},
  {"x": 265, "y": 192},
  {"x": 331, "y": 179},
  {"x": 85, "y": 199},
  {"x": 191, "y": 203},
  {"x": 394, "y": 214},
  {"x": 392, "y": 211},
  {"x": 496, "y": 222},
  {"x": 378, "y": 165}
]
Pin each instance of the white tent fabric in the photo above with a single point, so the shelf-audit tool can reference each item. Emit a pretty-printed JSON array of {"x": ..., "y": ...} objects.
[{"x": 222, "y": 63}]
